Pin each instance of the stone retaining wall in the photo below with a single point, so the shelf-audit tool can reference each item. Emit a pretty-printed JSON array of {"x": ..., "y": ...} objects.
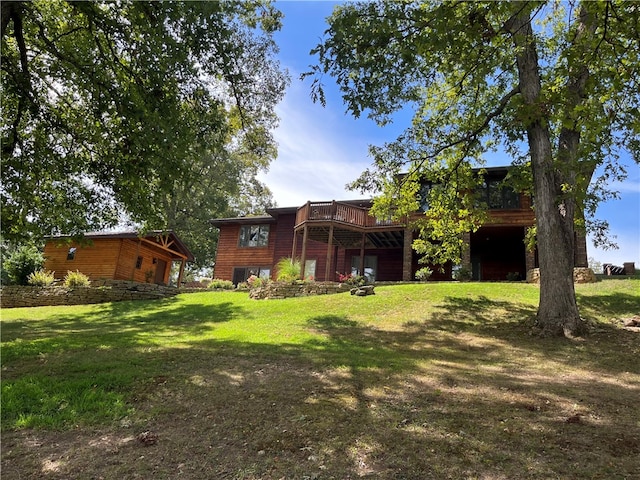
[
  {"x": 275, "y": 290},
  {"x": 580, "y": 275},
  {"x": 100, "y": 291}
]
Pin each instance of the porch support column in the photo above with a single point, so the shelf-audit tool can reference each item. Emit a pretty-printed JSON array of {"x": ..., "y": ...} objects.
[
  {"x": 327, "y": 269},
  {"x": 295, "y": 241},
  {"x": 180, "y": 273},
  {"x": 580, "y": 252},
  {"x": 303, "y": 257},
  {"x": 465, "y": 255},
  {"x": 407, "y": 255},
  {"x": 364, "y": 237}
]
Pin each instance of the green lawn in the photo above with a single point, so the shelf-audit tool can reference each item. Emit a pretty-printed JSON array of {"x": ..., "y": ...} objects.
[{"x": 436, "y": 380}]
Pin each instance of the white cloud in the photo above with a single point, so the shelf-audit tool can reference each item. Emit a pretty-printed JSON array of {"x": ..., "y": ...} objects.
[{"x": 318, "y": 152}]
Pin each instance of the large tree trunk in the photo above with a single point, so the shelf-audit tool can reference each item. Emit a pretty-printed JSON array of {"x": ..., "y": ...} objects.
[{"x": 558, "y": 310}]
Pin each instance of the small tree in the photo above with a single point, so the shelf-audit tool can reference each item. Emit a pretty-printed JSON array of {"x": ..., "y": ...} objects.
[{"x": 21, "y": 263}]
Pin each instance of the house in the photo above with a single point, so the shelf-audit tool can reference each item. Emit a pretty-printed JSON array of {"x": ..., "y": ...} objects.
[
  {"x": 118, "y": 256},
  {"x": 341, "y": 236}
]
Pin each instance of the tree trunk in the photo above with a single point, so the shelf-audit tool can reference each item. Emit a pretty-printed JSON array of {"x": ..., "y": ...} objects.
[{"x": 558, "y": 311}]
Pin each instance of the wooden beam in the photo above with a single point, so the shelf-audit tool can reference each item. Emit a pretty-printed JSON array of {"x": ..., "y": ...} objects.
[
  {"x": 327, "y": 270},
  {"x": 295, "y": 241},
  {"x": 161, "y": 247},
  {"x": 364, "y": 238},
  {"x": 303, "y": 258}
]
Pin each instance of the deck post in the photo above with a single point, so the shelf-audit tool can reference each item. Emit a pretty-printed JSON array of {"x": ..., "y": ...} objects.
[
  {"x": 295, "y": 241},
  {"x": 327, "y": 268},
  {"x": 364, "y": 238},
  {"x": 303, "y": 258}
]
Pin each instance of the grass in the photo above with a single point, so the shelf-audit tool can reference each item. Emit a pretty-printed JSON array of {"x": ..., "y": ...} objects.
[{"x": 435, "y": 380}]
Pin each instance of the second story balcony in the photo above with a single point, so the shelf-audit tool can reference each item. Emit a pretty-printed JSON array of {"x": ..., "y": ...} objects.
[{"x": 347, "y": 224}]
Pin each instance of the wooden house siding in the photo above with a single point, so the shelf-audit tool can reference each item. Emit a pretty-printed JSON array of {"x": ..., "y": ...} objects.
[
  {"x": 343, "y": 224},
  {"x": 231, "y": 255},
  {"x": 115, "y": 256},
  {"x": 126, "y": 269},
  {"x": 97, "y": 259}
]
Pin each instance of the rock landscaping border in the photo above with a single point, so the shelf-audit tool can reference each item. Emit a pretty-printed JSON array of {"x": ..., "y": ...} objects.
[
  {"x": 100, "y": 291},
  {"x": 279, "y": 290},
  {"x": 580, "y": 275}
]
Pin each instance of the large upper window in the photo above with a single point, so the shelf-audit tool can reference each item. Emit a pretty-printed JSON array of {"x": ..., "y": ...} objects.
[
  {"x": 499, "y": 196},
  {"x": 254, "y": 235}
]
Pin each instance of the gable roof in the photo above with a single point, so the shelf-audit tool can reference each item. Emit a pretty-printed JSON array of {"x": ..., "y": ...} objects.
[{"x": 167, "y": 240}]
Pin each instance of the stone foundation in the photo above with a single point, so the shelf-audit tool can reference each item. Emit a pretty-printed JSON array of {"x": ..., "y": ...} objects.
[
  {"x": 100, "y": 291},
  {"x": 580, "y": 275},
  {"x": 276, "y": 290}
]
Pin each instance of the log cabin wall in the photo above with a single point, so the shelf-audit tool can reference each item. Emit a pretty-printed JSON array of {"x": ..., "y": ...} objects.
[
  {"x": 96, "y": 260},
  {"x": 127, "y": 267},
  {"x": 112, "y": 258}
]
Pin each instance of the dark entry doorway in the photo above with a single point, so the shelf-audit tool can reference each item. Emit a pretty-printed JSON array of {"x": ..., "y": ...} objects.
[{"x": 498, "y": 253}]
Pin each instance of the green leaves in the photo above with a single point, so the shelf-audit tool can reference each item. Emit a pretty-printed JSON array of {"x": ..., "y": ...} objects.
[
  {"x": 456, "y": 66},
  {"x": 100, "y": 104}
]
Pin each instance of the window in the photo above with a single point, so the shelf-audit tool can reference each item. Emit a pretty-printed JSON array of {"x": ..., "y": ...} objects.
[
  {"x": 139, "y": 262},
  {"x": 370, "y": 267},
  {"x": 240, "y": 274},
  {"x": 310, "y": 269},
  {"x": 254, "y": 235},
  {"x": 71, "y": 254},
  {"x": 425, "y": 191},
  {"x": 498, "y": 196}
]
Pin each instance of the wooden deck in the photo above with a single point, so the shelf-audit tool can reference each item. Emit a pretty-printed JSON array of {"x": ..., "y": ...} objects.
[{"x": 347, "y": 225}]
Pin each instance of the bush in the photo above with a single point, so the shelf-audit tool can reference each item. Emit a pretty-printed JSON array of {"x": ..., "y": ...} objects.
[
  {"x": 350, "y": 279},
  {"x": 288, "y": 270},
  {"x": 222, "y": 284},
  {"x": 41, "y": 278},
  {"x": 254, "y": 281},
  {"x": 76, "y": 279},
  {"x": 513, "y": 277},
  {"x": 22, "y": 262},
  {"x": 462, "y": 274},
  {"x": 423, "y": 274}
]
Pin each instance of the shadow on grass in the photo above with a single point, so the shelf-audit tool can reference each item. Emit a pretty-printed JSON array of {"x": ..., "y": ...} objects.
[
  {"x": 612, "y": 305},
  {"x": 113, "y": 325},
  {"x": 463, "y": 392}
]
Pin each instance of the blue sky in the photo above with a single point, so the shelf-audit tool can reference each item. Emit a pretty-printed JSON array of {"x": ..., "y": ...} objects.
[{"x": 322, "y": 149}]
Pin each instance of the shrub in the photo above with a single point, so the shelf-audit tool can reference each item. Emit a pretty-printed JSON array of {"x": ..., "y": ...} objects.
[
  {"x": 76, "y": 279},
  {"x": 350, "y": 279},
  {"x": 288, "y": 269},
  {"x": 254, "y": 281},
  {"x": 222, "y": 284},
  {"x": 41, "y": 278},
  {"x": 22, "y": 262},
  {"x": 513, "y": 277},
  {"x": 462, "y": 274},
  {"x": 423, "y": 274}
]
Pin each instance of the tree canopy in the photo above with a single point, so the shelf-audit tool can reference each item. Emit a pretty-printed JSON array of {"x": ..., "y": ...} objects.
[
  {"x": 111, "y": 108},
  {"x": 554, "y": 84}
]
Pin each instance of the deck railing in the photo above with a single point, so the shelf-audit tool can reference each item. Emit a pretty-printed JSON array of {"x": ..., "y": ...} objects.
[{"x": 339, "y": 212}]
